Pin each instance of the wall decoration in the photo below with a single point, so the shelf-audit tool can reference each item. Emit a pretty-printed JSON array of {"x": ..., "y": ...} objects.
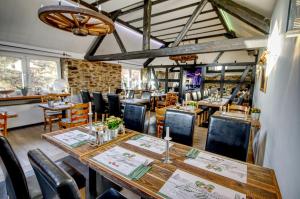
[{"x": 262, "y": 64}]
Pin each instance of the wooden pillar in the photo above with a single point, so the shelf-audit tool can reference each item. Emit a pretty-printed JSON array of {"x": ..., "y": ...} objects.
[
  {"x": 167, "y": 80},
  {"x": 222, "y": 80},
  {"x": 203, "y": 80},
  {"x": 182, "y": 78},
  {"x": 147, "y": 24}
]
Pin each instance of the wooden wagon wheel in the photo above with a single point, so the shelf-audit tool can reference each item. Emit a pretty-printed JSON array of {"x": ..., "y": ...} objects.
[{"x": 77, "y": 20}]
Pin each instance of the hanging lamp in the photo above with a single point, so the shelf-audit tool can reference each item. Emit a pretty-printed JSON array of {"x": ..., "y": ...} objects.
[{"x": 79, "y": 21}]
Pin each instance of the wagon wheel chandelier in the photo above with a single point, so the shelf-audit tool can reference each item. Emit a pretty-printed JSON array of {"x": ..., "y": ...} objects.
[
  {"x": 79, "y": 21},
  {"x": 184, "y": 58}
]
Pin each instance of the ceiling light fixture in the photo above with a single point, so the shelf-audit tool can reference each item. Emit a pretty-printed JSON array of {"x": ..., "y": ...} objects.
[{"x": 79, "y": 21}]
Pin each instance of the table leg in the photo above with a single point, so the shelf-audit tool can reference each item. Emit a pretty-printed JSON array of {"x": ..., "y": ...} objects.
[{"x": 91, "y": 185}]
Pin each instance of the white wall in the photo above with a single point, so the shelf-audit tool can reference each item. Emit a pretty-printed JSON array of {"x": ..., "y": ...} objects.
[{"x": 280, "y": 105}]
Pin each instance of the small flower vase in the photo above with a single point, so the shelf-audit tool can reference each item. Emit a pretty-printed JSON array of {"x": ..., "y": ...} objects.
[
  {"x": 255, "y": 116},
  {"x": 114, "y": 133}
]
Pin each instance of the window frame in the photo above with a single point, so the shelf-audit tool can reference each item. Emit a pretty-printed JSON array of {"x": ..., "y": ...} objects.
[
  {"x": 130, "y": 74},
  {"x": 26, "y": 64}
]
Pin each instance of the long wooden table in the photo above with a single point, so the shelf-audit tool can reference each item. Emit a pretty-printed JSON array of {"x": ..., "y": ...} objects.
[
  {"x": 261, "y": 182},
  {"x": 213, "y": 104}
]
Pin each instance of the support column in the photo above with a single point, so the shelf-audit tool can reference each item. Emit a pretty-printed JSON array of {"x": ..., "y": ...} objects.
[{"x": 147, "y": 24}]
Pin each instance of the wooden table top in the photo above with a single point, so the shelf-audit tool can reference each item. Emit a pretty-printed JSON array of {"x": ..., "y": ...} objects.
[
  {"x": 9, "y": 113},
  {"x": 238, "y": 116},
  {"x": 21, "y": 97},
  {"x": 181, "y": 108},
  {"x": 261, "y": 182},
  {"x": 56, "y": 107},
  {"x": 206, "y": 102},
  {"x": 135, "y": 101}
]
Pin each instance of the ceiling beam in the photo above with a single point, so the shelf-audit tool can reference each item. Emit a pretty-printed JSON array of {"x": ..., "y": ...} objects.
[
  {"x": 200, "y": 28},
  {"x": 99, "y": 2},
  {"x": 139, "y": 7},
  {"x": 147, "y": 24},
  {"x": 207, "y": 47},
  {"x": 165, "y": 12},
  {"x": 177, "y": 18},
  {"x": 246, "y": 15},
  {"x": 205, "y": 65},
  {"x": 190, "y": 22},
  {"x": 119, "y": 41},
  {"x": 182, "y": 25}
]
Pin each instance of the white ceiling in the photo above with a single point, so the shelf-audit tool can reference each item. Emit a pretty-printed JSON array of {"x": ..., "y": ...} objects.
[{"x": 20, "y": 24}]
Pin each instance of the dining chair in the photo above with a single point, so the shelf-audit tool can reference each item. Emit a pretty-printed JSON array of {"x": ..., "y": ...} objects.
[
  {"x": 3, "y": 123},
  {"x": 78, "y": 116},
  {"x": 181, "y": 125},
  {"x": 100, "y": 107},
  {"x": 15, "y": 181},
  {"x": 228, "y": 137},
  {"x": 114, "y": 106},
  {"x": 55, "y": 182},
  {"x": 134, "y": 117},
  {"x": 50, "y": 116},
  {"x": 160, "y": 120},
  {"x": 188, "y": 97},
  {"x": 238, "y": 108},
  {"x": 85, "y": 96},
  {"x": 170, "y": 99}
]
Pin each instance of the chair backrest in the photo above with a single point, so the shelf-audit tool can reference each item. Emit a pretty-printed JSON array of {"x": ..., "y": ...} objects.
[
  {"x": 146, "y": 95},
  {"x": 79, "y": 114},
  {"x": 181, "y": 125},
  {"x": 198, "y": 95},
  {"x": 114, "y": 105},
  {"x": 54, "y": 182},
  {"x": 188, "y": 97},
  {"x": 3, "y": 123},
  {"x": 99, "y": 102},
  {"x": 130, "y": 94},
  {"x": 15, "y": 180},
  {"x": 85, "y": 95},
  {"x": 134, "y": 117},
  {"x": 238, "y": 108},
  {"x": 119, "y": 90},
  {"x": 194, "y": 96},
  {"x": 171, "y": 99},
  {"x": 228, "y": 137}
]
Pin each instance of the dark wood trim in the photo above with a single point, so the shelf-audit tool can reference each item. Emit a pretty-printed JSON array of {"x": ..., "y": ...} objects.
[
  {"x": 190, "y": 22},
  {"x": 164, "y": 12},
  {"x": 218, "y": 57},
  {"x": 227, "y": 71},
  {"x": 207, "y": 47},
  {"x": 119, "y": 41},
  {"x": 242, "y": 80},
  {"x": 149, "y": 60},
  {"x": 246, "y": 15},
  {"x": 138, "y": 7},
  {"x": 206, "y": 65},
  {"x": 228, "y": 81},
  {"x": 182, "y": 25},
  {"x": 199, "y": 37},
  {"x": 99, "y": 2},
  {"x": 222, "y": 80},
  {"x": 200, "y": 33},
  {"x": 201, "y": 28},
  {"x": 167, "y": 78},
  {"x": 147, "y": 24},
  {"x": 178, "y": 18}
]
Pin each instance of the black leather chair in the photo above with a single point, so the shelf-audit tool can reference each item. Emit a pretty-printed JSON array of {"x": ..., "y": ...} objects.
[
  {"x": 194, "y": 96},
  {"x": 181, "y": 125},
  {"x": 134, "y": 117},
  {"x": 146, "y": 95},
  {"x": 114, "y": 107},
  {"x": 15, "y": 180},
  {"x": 228, "y": 137},
  {"x": 86, "y": 97},
  {"x": 111, "y": 194},
  {"x": 119, "y": 90},
  {"x": 54, "y": 182},
  {"x": 100, "y": 108}
]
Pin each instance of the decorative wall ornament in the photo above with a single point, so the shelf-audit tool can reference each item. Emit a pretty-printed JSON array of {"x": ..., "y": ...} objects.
[
  {"x": 79, "y": 21},
  {"x": 262, "y": 64},
  {"x": 184, "y": 58}
]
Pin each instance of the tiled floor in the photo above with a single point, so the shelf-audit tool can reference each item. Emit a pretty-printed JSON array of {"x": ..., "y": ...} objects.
[{"x": 25, "y": 139}]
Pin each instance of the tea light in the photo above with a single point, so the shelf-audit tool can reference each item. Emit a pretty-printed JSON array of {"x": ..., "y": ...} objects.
[
  {"x": 90, "y": 107},
  {"x": 167, "y": 132}
]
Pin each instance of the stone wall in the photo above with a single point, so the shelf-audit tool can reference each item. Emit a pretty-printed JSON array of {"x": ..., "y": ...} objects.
[{"x": 94, "y": 76}]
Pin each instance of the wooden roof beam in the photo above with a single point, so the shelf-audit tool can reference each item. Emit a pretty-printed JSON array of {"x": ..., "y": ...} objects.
[
  {"x": 246, "y": 15},
  {"x": 207, "y": 47}
]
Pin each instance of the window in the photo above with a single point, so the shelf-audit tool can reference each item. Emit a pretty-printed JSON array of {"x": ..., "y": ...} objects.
[
  {"x": 42, "y": 73},
  {"x": 131, "y": 78},
  {"x": 11, "y": 73},
  {"x": 34, "y": 72}
]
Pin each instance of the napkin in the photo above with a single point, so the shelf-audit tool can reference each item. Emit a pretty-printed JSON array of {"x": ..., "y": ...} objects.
[
  {"x": 193, "y": 153},
  {"x": 139, "y": 172}
]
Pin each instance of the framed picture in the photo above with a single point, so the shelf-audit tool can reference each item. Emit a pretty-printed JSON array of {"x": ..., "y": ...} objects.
[{"x": 263, "y": 66}]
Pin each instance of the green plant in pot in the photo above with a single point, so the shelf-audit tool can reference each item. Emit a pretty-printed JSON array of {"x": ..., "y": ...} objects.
[
  {"x": 255, "y": 113},
  {"x": 113, "y": 123}
]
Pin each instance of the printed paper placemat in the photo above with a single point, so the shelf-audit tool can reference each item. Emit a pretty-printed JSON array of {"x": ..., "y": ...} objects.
[
  {"x": 219, "y": 165},
  {"x": 182, "y": 185},
  {"x": 74, "y": 138},
  {"x": 123, "y": 161},
  {"x": 149, "y": 143}
]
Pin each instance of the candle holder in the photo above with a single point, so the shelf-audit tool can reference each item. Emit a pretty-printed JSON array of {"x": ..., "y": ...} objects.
[{"x": 167, "y": 159}]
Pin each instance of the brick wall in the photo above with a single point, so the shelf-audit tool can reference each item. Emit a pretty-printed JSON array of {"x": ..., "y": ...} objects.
[{"x": 94, "y": 76}]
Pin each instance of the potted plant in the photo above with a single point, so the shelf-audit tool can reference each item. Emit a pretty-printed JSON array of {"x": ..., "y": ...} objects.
[
  {"x": 255, "y": 113},
  {"x": 191, "y": 105},
  {"x": 113, "y": 123}
]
